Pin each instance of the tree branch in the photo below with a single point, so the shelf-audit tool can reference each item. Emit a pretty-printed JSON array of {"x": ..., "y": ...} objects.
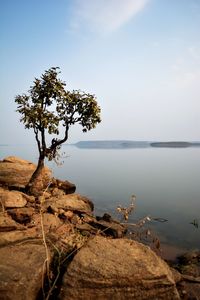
[
  {"x": 55, "y": 143},
  {"x": 37, "y": 139},
  {"x": 43, "y": 140}
]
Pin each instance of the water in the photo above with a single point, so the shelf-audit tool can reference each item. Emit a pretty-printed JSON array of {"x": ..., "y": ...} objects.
[{"x": 165, "y": 182}]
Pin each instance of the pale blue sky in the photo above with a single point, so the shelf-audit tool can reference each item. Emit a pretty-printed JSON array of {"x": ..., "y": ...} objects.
[{"x": 140, "y": 57}]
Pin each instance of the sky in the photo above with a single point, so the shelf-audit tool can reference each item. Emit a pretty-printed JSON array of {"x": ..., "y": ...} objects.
[{"x": 141, "y": 58}]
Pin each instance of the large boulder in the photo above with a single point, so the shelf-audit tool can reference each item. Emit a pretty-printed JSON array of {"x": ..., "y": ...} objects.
[
  {"x": 10, "y": 199},
  {"x": 11, "y": 237},
  {"x": 16, "y": 172},
  {"x": 21, "y": 271},
  {"x": 73, "y": 202},
  {"x": 117, "y": 269}
]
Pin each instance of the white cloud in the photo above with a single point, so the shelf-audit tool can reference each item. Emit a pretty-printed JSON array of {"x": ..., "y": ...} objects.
[{"x": 104, "y": 16}]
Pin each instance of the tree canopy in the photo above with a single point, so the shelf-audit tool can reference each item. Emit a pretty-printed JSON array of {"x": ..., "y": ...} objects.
[{"x": 48, "y": 106}]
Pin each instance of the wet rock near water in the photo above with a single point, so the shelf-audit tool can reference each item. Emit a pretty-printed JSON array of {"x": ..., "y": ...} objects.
[
  {"x": 93, "y": 225},
  {"x": 188, "y": 270},
  {"x": 189, "y": 264},
  {"x": 189, "y": 290},
  {"x": 190, "y": 257}
]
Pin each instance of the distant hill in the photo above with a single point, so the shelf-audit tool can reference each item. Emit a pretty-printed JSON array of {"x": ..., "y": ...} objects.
[
  {"x": 116, "y": 144},
  {"x": 127, "y": 144},
  {"x": 175, "y": 144}
]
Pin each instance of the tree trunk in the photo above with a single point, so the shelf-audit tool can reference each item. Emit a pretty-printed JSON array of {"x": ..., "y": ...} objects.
[{"x": 35, "y": 175}]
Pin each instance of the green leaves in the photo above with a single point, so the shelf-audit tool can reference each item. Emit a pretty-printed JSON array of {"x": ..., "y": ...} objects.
[
  {"x": 48, "y": 105},
  {"x": 79, "y": 107}
]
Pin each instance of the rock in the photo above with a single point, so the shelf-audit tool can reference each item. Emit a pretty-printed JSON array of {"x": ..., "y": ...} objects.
[
  {"x": 64, "y": 230},
  {"x": 14, "y": 159},
  {"x": 22, "y": 215},
  {"x": 189, "y": 263},
  {"x": 88, "y": 218},
  {"x": 66, "y": 186},
  {"x": 189, "y": 257},
  {"x": 30, "y": 199},
  {"x": 113, "y": 229},
  {"x": 50, "y": 222},
  {"x": 15, "y": 236},
  {"x": 189, "y": 290},
  {"x": 7, "y": 224},
  {"x": 46, "y": 195},
  {"x": 68, "y": 214},
  {"x": 12, "y": 198},
  {"x": 21, "y": 271},
  {"x": 86, "y": 229},
  {"x": 16, "y": 172},
  {"x": 106, "y": 225},
  {"x": 74, "y": 240},
  {"x": 76, "y": 220},
  {"x": 190, "y": 269},
  {"x": 176, "y": 275},
  {"x": 56, "y": 192},
  {"x": 74, "y": 202},
  {"x": 117, "y": 269},
  {"x": 109, "y": 226},
  {"x": 67, "y": 238},
  {"x": 106, "y": 217}
]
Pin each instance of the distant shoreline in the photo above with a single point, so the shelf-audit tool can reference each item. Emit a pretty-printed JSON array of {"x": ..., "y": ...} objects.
[
  {"x": 128, "y": 144},
  {"x": 175, "y": 144}
]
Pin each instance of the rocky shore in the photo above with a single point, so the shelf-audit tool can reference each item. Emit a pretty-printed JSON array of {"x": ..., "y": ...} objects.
[{"x": 52, "y": 246}]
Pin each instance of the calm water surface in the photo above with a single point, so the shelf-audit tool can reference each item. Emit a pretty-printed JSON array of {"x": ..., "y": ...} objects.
[{"x": 166, "y": 183}]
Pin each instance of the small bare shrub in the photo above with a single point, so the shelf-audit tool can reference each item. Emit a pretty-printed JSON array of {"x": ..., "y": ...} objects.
[{"x": 138, "y": 230}]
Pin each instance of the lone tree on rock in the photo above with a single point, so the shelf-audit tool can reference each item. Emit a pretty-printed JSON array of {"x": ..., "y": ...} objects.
[{"x": 47, "y": 106}]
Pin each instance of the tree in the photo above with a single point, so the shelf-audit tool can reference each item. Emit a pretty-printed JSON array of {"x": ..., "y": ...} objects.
[{"x": 48, "y": 106}]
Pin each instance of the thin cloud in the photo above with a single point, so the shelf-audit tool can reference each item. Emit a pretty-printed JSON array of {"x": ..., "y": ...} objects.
[{"x": 104, "y": 16}]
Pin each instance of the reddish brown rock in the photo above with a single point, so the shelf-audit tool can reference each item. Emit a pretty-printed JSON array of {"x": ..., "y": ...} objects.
[
  {"x": 12, "y": 198},
  {"x": 74, "y": 202},
  {"x": 50, "y": 221},
  {"x": 22, "y": 215},
  {"x": 8, "y": 224},
  {"x": 117, "y": 269},
  {"x": 16, "y": 172},
  {"x": 15, "y": 236},
  {"x": 21, "y": 271},
  {"x": 66, "y": 186}
]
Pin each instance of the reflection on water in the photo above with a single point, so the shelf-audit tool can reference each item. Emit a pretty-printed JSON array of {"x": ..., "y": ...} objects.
[{"x": 165, "y": 182}]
